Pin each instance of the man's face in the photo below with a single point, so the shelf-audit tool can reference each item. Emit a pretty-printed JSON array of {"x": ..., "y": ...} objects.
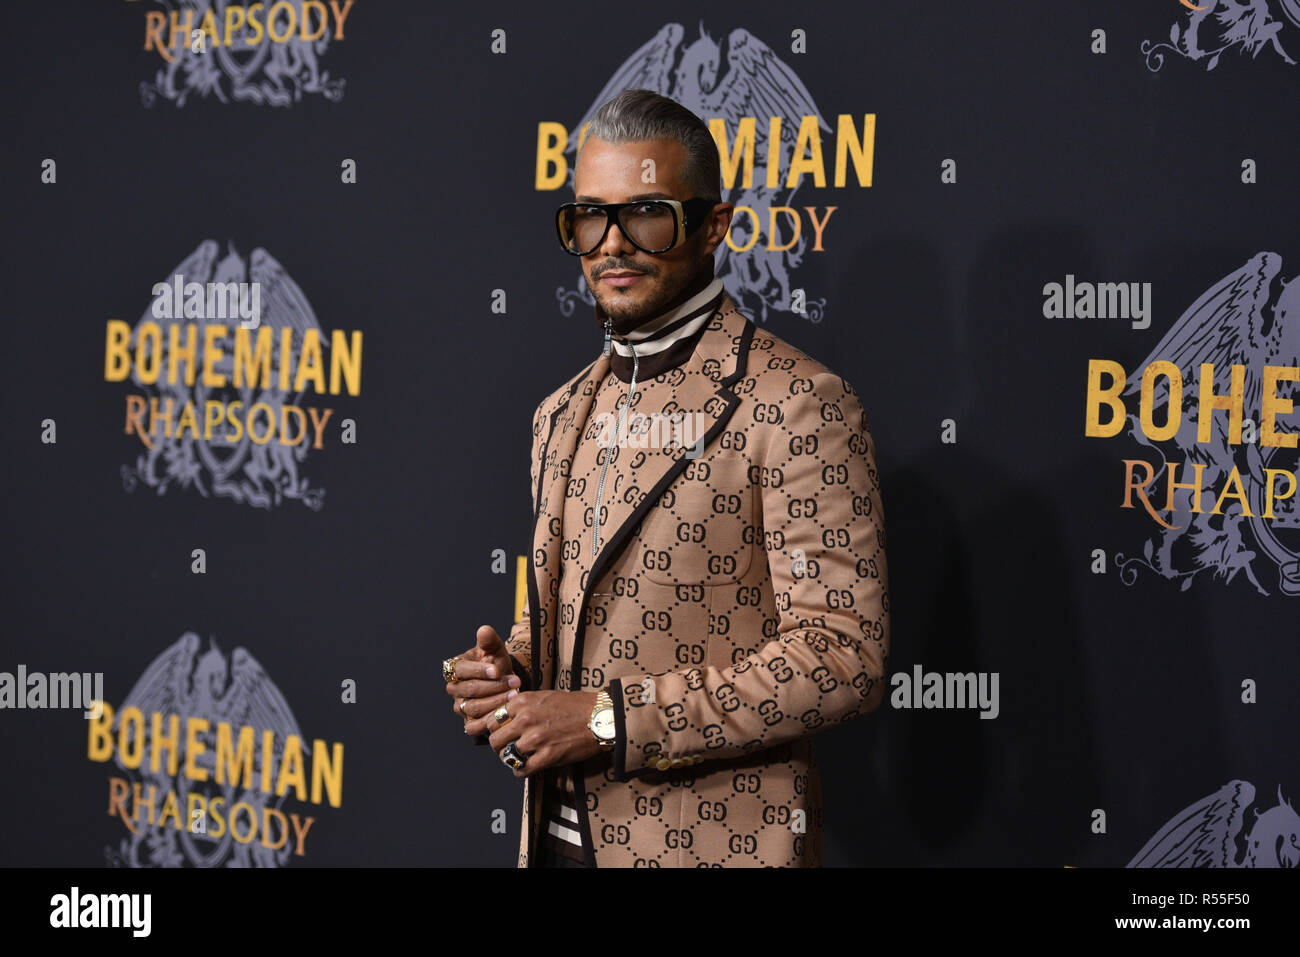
[{"x": 612, "y": 173}]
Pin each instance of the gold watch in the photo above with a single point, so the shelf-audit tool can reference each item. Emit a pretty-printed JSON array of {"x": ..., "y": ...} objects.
[{"x": 602, "y": 721}]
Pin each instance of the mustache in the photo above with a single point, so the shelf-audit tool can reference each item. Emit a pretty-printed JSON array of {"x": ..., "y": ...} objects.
[{"x": 617, "y": 268}]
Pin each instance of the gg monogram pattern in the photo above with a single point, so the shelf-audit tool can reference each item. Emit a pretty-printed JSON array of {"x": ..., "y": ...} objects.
[{"x": 737, "y": 605}]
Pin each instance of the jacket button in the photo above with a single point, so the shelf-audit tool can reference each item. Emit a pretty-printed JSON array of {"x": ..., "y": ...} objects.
[{"x": 663, "y": 764}]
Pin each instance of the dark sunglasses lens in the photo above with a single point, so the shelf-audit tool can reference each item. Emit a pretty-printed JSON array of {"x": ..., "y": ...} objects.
[
  {"x": 581, "y": 227},
  {"x": 650, "y": 225}
]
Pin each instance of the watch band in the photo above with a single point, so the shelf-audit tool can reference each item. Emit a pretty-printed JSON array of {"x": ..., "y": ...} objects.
[{"x": 603, "y": 701}]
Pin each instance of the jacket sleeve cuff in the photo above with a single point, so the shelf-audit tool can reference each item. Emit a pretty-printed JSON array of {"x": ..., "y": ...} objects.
[{"x": 619, "y": 765}]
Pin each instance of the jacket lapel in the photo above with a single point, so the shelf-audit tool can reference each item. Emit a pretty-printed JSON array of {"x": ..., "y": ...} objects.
[{"x": 566, "y": 422}]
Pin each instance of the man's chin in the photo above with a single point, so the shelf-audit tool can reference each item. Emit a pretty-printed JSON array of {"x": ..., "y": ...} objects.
[{"x": 623, "y": 307}]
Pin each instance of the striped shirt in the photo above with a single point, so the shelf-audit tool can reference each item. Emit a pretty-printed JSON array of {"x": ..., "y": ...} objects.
[{"x": 560, "y": 837}]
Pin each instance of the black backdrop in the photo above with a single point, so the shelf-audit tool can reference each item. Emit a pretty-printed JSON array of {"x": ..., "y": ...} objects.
[{"x": 1124, "y": 697}]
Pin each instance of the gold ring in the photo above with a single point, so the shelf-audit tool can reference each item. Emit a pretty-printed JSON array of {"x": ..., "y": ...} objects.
[
  {"x": 449, "y": 669},
  {"x": 463, "y": 703},
  {"x": 501, "y": 715}
]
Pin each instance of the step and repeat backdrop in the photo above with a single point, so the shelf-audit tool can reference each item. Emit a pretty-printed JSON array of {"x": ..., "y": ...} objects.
[{"x": 284, "y": 290}]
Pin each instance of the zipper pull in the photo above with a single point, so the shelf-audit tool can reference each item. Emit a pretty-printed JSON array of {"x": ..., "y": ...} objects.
[{"x": 608, "y": 327}]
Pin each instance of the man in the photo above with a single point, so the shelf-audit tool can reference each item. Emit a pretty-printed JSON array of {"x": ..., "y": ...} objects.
[{"x": 705, "y": 592}]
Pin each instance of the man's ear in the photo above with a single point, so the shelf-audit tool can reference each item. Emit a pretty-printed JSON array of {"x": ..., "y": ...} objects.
[{"x": 710, "y": 249}]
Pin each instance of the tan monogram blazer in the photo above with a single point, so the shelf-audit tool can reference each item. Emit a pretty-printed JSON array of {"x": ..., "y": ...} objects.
[{"x": 770, "y": 626}]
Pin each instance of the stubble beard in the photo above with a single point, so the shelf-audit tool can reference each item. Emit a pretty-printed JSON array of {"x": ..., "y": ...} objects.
[{"x": 625, "y": 314}]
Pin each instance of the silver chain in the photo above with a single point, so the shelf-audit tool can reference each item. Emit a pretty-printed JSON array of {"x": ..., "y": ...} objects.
[{"x": 609, "y": 453}]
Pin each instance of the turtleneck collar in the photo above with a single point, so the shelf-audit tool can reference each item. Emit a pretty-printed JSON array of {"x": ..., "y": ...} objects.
[{"x": 666, "y": 339}]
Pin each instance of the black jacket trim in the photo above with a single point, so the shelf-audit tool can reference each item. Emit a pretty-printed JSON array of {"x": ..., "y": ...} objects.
[{"x": 619, "y": 766}]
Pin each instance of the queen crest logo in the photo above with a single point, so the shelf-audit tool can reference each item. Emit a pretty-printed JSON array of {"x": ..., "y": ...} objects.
[
  {"x": 225, "y": 359},
  {"x": 1222, "y": 830},
  {"x": 209, "y": 755},
  {"x": 1214, "y": 27},
  {"x": 263, "y": 53},
  {"x": 1213, "y": 407}
]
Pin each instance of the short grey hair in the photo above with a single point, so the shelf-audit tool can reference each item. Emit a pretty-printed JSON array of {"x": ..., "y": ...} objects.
[{"x": 636, "y": 115}]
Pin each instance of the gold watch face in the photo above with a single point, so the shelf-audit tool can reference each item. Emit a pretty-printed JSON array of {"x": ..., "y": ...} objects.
[{"x": 603, "y": 724}]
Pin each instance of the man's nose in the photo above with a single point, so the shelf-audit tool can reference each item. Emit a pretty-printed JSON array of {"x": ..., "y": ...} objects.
[{"x": 615, "y": 243}]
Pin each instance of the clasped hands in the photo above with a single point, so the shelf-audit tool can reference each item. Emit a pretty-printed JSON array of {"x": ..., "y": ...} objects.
[{"x": 550, "y": 728}]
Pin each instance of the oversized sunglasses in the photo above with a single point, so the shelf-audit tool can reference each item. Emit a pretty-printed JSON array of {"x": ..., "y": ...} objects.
[{"x": 651, "y": 225}]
